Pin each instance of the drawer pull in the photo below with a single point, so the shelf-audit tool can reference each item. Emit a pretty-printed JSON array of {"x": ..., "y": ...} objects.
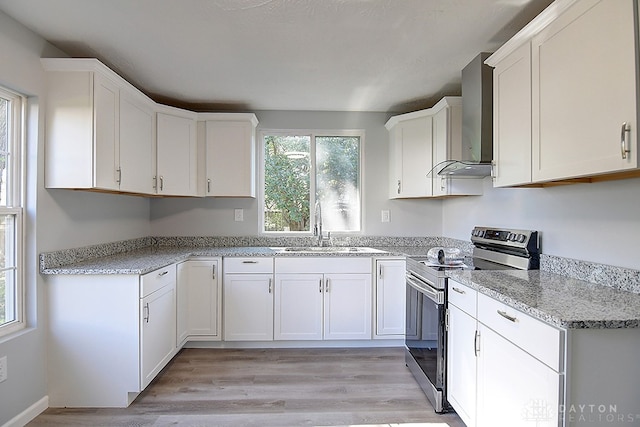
[
  {"x": 506, "y": 316},
  {"x": 460, "y": 291},
  {"x": 249, "y": 262},
  {"x": 163, "y": 273}
]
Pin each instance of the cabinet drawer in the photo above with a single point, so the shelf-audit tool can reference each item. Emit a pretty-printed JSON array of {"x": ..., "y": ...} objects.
[
  {"x": 157, "y": 279},
  {"x": 462, "y": 296},
  {"x": 537, "y": 338},
  {"x": 248, "y": 265}
]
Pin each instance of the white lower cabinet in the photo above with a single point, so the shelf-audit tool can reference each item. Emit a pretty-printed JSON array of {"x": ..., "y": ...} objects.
[
  {"x": 504, "y": 367},
  {"x": 461, "y": 364},
  {"x": 248, "y": 299},
  {"x": 157, "y": 331},
  {"x": 514, "y": 388},
  {"x": 199, "y": 300},
  {"x": 390, "y": 297},
  {"x": 312, "y": 304},
  {"x": 108, "y": 335}
]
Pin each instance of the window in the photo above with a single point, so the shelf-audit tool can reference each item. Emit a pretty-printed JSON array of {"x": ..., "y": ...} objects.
[
  {"x": 302, "y": 170},
  {"x": 11, "y": 136}
]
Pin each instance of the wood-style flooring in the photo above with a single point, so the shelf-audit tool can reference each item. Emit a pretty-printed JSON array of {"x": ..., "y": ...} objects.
[{"x": 271, "y": 387}]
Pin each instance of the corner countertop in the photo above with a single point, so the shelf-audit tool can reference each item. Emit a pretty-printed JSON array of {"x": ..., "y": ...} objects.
[{"x": 559, "y": 300}]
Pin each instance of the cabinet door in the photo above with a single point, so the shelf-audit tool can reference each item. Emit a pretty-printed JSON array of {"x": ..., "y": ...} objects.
[
  {"x": 248, "y": 307},
  {"x": 461, "y": 364},
  {"x": 298, "y": 306},
  {"x": 157, "y": 332},
  {"x": 176, "y": 155},
  {"x": 230, "y": 159},
  {"x": 514, "y": 388},
  {"x": 584, "y": 86},
  {"x": 410, "y": 158},
  {"x": 199, "y": 300},
  {"x": 106, "y": 133},
  {"x": 512, "y": 118},
  {"x": 137, "y": 141},
  {"x": 347, "y": 306},
  {"x": 390, "y": 298}
]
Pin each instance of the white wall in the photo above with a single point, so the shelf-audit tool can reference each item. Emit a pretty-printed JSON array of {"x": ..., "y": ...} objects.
[
  {"x": 597, "y": 222},
  {"x": 54, "y": 220},
  {"x": 175, "y": 217}
]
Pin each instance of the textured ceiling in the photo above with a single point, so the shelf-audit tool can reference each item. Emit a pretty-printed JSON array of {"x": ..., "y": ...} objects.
[{"x": 330, "y": 55}]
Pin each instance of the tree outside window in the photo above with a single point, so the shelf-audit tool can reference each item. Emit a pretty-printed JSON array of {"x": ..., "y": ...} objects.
[{"x": 302, "y": 168}]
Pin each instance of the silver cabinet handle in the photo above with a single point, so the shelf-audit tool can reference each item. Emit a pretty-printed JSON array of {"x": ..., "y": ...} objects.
[
  {"x": 399, "y": 186},
  {"x": 119, "y": 179},
  {"x": 163, "y": 273},
  {"x": 494, "y": 169},
  {"x": 460, "y": 291},
  {"x": 326, "y": 285},
  {"x": 146, "y": 316},
  {"x": 250, "y": 262},
  {"x": 161, "y": 183},
  {"x": 623, "y": 140},
  {"x": 476, "y": 342},
  {"x": 507, "y": 316},
  {"x": 380, "y": 272},
  {"x": 270, "y": 285},
  {"x": 320, "y": 290},
  {"x": 213, "y": 271},
  {"x": 208, "y": 185}
]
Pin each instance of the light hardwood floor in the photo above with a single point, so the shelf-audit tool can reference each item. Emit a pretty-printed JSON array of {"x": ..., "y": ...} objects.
[{"x": 271, "y": 387}]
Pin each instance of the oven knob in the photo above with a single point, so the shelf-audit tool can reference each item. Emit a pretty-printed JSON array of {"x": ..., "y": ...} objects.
[
  {"x": 511, "y": 237},
  {"x": 521, "y": 238}
]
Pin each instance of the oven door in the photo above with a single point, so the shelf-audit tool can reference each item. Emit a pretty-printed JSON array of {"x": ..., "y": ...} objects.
[{"x": 425, "y": 339}]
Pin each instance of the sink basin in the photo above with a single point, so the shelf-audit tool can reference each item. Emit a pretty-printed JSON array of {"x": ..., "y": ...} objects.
[{"x": 330, "y": 249}]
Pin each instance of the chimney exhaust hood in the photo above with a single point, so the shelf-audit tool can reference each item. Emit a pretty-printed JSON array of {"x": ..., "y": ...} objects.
[{"x": 477, "y": 122}]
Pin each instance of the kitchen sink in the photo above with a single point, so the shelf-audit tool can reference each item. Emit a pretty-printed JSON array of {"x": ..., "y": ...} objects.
[{"x": 330, "y": 249}]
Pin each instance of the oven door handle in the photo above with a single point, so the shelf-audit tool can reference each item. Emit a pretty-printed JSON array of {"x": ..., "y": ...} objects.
[{"x": 433, "y": 294}]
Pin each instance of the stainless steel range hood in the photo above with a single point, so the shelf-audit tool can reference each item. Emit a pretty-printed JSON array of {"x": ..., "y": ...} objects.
[{"x": 477, "y": 122}]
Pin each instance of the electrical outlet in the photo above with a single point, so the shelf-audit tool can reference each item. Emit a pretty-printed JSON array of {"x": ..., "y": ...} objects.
[
  {"x": 3, "y": 368},
  {"x": 238, "y": 215},
  {"x": 386, "y": 216}
]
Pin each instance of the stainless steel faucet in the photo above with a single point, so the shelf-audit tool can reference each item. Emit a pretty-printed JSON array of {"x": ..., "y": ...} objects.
[{"x": 317, "y": 227}]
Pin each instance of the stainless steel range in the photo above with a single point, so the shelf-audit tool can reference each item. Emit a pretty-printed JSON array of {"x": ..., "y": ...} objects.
[{"x": 426, "y": 355}]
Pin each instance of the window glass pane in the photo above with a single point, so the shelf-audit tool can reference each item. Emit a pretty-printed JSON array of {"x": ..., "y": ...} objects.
[
  {"x": 5, "y": 108},
  {"x": 8, "y": 288},
  {"x": 287, "y": 182},
  {"x": 338, "y": 181},
  {"x": 8, "y": 300}
]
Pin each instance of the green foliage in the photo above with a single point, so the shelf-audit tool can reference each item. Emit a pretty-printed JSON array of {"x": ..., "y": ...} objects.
[{"x": 288, "y": 181}]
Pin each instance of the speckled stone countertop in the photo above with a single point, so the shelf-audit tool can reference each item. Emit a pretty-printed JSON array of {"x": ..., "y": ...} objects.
[
  {"x": 562, "y": 301},
  {"x": 144, "y": 260}
]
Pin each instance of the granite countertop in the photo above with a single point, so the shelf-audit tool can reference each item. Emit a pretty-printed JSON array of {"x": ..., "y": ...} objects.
[
  {"x": 144, "y": 260},
  {"x": 558, "y": 300}
]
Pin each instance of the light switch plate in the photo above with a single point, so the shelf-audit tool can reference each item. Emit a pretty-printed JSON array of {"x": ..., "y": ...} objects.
[
  {"x": 238, "y": 214},
  {"x": 386, "y": 217}
]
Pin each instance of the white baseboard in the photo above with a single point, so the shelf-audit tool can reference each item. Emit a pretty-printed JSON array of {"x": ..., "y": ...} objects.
[{"x": 29, "y": 414}]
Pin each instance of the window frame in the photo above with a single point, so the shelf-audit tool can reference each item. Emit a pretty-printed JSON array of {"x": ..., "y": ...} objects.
[
  {"x": 15, "y": 202},
  {"x": 313, "y": 134}
]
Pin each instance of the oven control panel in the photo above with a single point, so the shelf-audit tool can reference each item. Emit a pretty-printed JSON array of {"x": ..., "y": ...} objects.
[{"x": 522, "y": 239}]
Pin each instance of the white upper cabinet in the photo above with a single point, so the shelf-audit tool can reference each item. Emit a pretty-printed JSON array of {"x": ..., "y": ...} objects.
[
  {"x": 410, "y": 156},
  {"x": 584, "y": 78},
  {"x": 419, "y": 144},
  {"x": 583, "y": 107},
  {"x": 512, "y": 118},
  {"x": 230, "y": 154},
  {"x": 82, "y": 127},
  {"x": 176, "y": 173},
  {"x": 137, "y": 144}
]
